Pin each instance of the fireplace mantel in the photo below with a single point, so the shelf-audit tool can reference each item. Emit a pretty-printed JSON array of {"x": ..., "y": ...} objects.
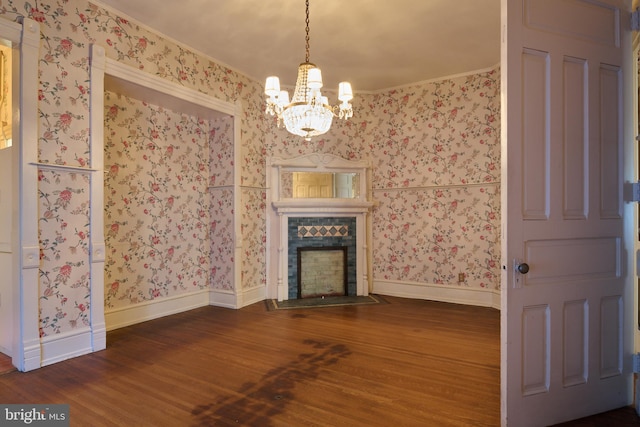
[
  {"x": 285, "y": 204},
  {"x": 322, "y": 205}
]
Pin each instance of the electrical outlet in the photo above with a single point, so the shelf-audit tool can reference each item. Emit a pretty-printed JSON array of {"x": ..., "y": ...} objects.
[{"x": 460, "y": 277}]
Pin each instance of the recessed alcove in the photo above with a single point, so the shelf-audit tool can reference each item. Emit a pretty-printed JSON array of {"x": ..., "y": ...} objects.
[{"x": 143, "y": 88}]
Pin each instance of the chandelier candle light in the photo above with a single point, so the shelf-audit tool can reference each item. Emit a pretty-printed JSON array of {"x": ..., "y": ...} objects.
[{"x": 308, "y": 113}]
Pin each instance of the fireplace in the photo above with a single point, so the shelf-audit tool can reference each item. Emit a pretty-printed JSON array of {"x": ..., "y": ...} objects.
[
  {"x": 318, "y": 233},
  {"x": 322, "y": 271},
  {"x": 300, "y": 220}
]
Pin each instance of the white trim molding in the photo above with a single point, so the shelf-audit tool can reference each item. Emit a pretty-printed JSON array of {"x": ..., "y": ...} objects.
[
  {"x": 434, "y": 292},
  {"x": 59, "y": 347},
  {"x": 155, "y": 309},
  {"x": 27, "y": 348}
]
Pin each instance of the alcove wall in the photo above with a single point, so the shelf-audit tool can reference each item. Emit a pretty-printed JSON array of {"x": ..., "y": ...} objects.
[{"x": 167, "y": 199}]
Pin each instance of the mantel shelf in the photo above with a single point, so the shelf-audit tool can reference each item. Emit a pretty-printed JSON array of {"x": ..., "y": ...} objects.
[{"x": 323, "y": 205}]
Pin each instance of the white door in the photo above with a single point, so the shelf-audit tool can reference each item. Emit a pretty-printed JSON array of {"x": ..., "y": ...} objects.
[{"x": 566, "y": 341}]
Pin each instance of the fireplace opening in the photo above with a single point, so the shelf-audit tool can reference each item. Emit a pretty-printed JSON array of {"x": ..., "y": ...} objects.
[{"x": 322, "y": 271}]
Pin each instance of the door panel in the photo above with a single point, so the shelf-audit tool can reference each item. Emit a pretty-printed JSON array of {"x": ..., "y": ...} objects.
[
  {"x": 610, "y": 119},
  {"x": 575, "y": 334},
  {"x": 575, "y": 138},
  {"x": 535, "y": 134},
  {"x": 563, "y": 321},
  {"x": 593, "y": 258}
]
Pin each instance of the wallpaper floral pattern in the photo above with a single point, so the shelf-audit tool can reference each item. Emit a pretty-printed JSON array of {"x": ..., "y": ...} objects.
[
  {"x": 156, "y": 202},
  {"x": 64, "y": 251},
  {"x": 221, "y": 203},
  {"x": 436, "y": 175},
  {"x": 432, "y": 235},
  {"x": 431, "y": 142}
]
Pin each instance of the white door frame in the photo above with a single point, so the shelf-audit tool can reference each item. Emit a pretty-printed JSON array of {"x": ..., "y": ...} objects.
[{"x": 26, "y": 250}]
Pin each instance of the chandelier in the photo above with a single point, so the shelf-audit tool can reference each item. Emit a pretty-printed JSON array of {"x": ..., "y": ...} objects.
[{"x": 308, "y": 113}]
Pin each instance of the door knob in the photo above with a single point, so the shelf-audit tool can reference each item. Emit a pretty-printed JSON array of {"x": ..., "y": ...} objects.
[{"x": 523, "y": 268}]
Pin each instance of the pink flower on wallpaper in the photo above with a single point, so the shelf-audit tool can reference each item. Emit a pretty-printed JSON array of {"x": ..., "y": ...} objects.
[
  {"x": 142, "y": 43},
  {"x": 37, "y": 15},
  {"x": 65, "y": 121},
  {"x": 64, "y": 198},
  {"x": 111, "y": 113},
  {"x": 65, "y": 47},
  {"x": 65, "y": 271}
]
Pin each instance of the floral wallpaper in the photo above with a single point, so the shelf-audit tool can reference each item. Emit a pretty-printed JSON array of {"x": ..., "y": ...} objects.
[
  {"x": 221, "y": 234},
  {"x": 221, "y": 203},
  {"x": 156, "y": 202},
  {"x": 64, "y": 251},
  {"x": 432, "y": 235},
  {"x": 254, "y": 238},
  {"x": 435, "y": 153},
  {"x": 434, "y": 148}
]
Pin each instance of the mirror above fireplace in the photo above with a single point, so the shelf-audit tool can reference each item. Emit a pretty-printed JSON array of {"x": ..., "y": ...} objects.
[{"x": 325, "y": 185}]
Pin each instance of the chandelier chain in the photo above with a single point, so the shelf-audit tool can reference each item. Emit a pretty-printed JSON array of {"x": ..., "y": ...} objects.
[{"x": 307, "y": 31}]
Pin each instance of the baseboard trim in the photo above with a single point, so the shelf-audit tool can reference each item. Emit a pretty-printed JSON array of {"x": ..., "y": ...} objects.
[
  {"x": 121, "y": 317},
  {"x": 442, "y": 293},
  {"x": 32, "y": 356},
  {"x": 59, "y": 347},
  {"x": 253, "y": 295},
  {"x": 222, "y": 298}
]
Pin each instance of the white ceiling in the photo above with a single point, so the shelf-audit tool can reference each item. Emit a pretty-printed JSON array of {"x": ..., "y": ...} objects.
[{"x": 374, "y": 44}]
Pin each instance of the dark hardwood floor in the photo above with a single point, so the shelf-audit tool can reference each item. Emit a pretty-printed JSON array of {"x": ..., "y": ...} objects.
[
  {"x": 406, "y": 363},
  {"x": 5, "y": 364}
]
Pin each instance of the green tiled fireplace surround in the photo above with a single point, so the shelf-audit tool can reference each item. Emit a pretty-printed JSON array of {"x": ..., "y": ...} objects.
[{"x": 326, "y": 238}]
